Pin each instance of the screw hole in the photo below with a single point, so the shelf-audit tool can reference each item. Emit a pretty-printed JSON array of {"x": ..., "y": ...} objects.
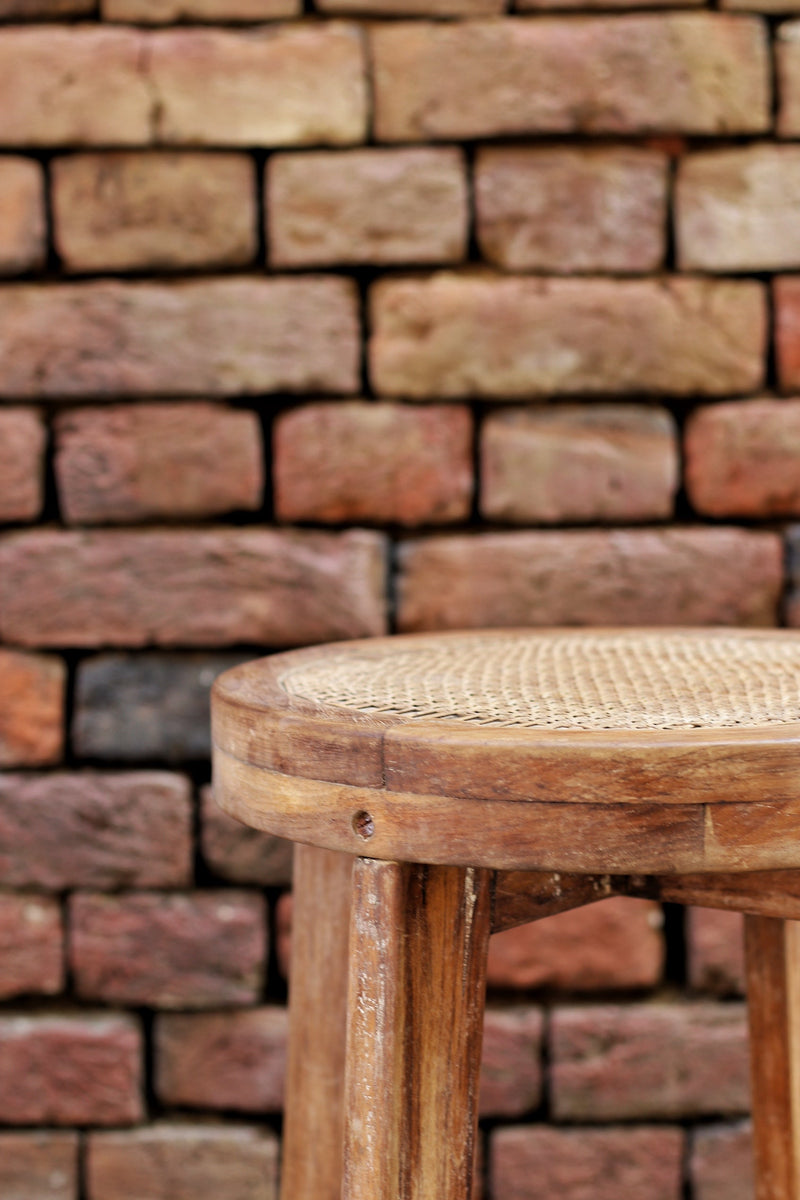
[{"x": 364, "y": 825}]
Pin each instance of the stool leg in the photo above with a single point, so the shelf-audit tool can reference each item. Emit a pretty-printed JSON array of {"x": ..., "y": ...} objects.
[
  {"x": 418, "y": 944},
  {"x": 772, "y": 948},
  {"x": 313, "y": 1122}
]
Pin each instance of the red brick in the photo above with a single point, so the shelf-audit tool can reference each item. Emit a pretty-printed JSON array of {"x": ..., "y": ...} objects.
[
  {"x": 30, "y": 10},
  {"x": 143, "y": 211},
  {"x": 22, "y": 440},
  {"x": 294, "y": 85},
  {"x": 31, "y": 709},
  {"x": 233, "y": 1060},
  {"x": 677, "y": 576},
  {"x": 169, "y": 951},
  {"x": 166, "y": 12},
  {"x": 70, "y": 1070},
  {"x": 511, "y": 1071},
  {"x": 391, "y": 206},
  {"x": 192, "y": 588},
  {"x": 787, "y": 331},
  {"x": 563, "y": 210},
  {"x": 216, "y": 337},
  {"x": 368, "y": 462},
  {"x": 462, "y": 335},
  {"x": 721, "y": 1162},
  {"x": 39, "y": 1166},
  {"x": 743, "y": 459},
  {"x": 579, "y": 463},
  {"x": 787, "y": 46},
  {"x": 95, "y": 830},
  {"x": 616, "y": 943},
  {"x": 178, "y": 1161},
  {"x": 31, "y": 948},
  {"x": 586, "y": 1164},
  {"x": 715, "y": 950},
  {"x": 422, "y": 8},
  {"x": 22, "y": 222},
  {"x": 241, "y": 854},
  {"x": 680, "y": 72},
  {"x": 649, "y": 1060},
  {"x": 133, "y": 462}
]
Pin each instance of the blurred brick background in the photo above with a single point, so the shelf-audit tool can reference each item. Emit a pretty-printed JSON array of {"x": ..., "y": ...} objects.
[{"x": 383, "y": 314}]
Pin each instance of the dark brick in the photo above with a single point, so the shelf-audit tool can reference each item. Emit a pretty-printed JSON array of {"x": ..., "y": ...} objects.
[{"x": 239, "y": 853}]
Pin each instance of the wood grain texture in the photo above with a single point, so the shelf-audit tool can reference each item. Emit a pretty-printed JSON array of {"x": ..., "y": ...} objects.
[
  {"x": 522, "y": 896},
  {"x": 772, "y": 953},
  {"x": 418, "y": 945},
  {"x": 761, "y": 893},
  {"x": 314, "y": 1119}
]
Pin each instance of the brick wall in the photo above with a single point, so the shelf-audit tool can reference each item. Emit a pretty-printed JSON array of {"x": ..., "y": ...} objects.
[{"x": 286, "y": 298}]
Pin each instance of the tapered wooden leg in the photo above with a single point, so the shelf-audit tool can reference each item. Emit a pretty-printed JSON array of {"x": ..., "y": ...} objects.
[
  {"x": 313, "y": 1123},
  {"x": 772, "y": 949},
  {"x": 418, "y": 945}
]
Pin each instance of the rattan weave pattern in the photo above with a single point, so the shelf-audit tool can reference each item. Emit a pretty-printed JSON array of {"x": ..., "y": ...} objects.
[{"x": 566, "y": 680}]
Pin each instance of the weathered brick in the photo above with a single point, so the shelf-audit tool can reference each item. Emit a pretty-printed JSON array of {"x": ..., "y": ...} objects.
[
  {"x": 23, "y": 232},
  {"x": 736, "y": 209},
  {"x": 70, "y": 1070},
  {"x": 721, "y": 1162},
  {"x": 456, "y": 335},
  {"x": 31, "y": 709},
  {"x": 182, "y": 587},
  {"x": 586, "y": 1164},
  {"x": 422, "y": 8},
  {"x": 715, "y": 950},
  {"x": 95, "y": 830},
  {"x": 167, "y": 12},
  {"x": 681, "y": 72},
  {"x": 617, "y": 943},
  {"x": 294, "y": 85},
  {"x": 579, "y": 463},
  {"x": 146, "y": 706},
  {"x": 126, "y": 463},
  {"x": 178, "y": 1161},
  {"x": 649, "y": 1060},
  {"x": 31, "y": 10},
  {"x": 563, "y": 210},
  {"x": 743, "y": 458},
  {"x": 511, "y": 1071},
  {"x": 241, "y": 854},
  {"x": 22, "y": 440},
  {"x": 367, "y": 462},
  {"x": 196, "y": 950},
  {"x": 390, "y": 206},
  {"x": 215, "y": 337},
  {"x": 787, "y": 331},
  {"x": 787, "y": 47},
  {"x": 153, "y": 211},
  {"x": 234, "y": 1060},
  {"x": 39, "y": 1166},
  {"x": 678, "y": 576},
  {"x": 31, "y": 949}
]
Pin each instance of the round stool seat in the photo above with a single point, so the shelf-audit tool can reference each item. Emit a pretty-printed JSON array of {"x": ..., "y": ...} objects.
[{"x": 624, "y": 751}]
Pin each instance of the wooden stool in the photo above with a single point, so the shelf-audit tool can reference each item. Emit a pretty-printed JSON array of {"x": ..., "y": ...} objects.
[{"x": 445, "y": 786}]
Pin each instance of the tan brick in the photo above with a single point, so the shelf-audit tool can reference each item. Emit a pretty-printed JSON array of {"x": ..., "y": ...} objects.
[
  {"x": 367, "y": 206},
  {"x": 715, "y": 950},
  {"x": 578, "y": 463},
  {"x": 30, "y": 10},
  {"x": 295, "y": 85},
  {"x": 215, "y": 337},
  {"x": 31, "y": 948},
  {"x": 23, "y": 235},
  {"x": 167, "y": 12},
  {"x": 681, "y": 72},
  {"x": 132, "y": 462},
  {"x": 178, "y": 1161},
  {"x": 787, "y": 48},
  {"x": 586, "y": 1164},
  {"x": 153, "y": 210},
  {"x": 353, "y": 461},
  {"x": 39, "y": 1166},
  {"x": 617, "y": 943},
  {"x": 511, "y": 1066},
  {"x": 239, "y": 853},
  {"x": 677, "y": 576},
  {"x": 413, "y": 8},
  {"x": 721, "y": 1162},
  {"x": 736, "y": 210},
  {"x": 32, "y": 712},
  {"x": 73, "y": 85},
  {"x": 190, "y": 587},
  {"x": 70, "y": 1070},
  {"x": 457, "y": 335},
  {"x": 232, "y": 1060},
  {"x": 565, "y": 210},
  {"x": 22, "y": 441},
  {"x": 743, "y": 458}
]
